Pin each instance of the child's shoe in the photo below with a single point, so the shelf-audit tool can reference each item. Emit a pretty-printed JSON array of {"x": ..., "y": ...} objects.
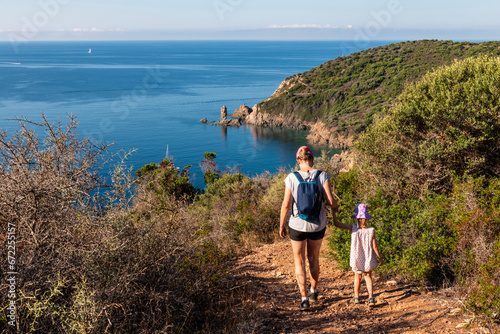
[
  {"x": 371, "y": 302},
  {"x": 355, "y": 300}
]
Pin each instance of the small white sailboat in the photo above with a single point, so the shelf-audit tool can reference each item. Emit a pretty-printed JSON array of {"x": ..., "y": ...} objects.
[
  {"x": 90, "y": 50},
  {"x": 168, "y": 156}
]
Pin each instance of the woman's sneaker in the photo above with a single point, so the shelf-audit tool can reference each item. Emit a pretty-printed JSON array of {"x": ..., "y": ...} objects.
[
  {"x": 304, "y": 305},
  {"x": 371, "y": 302},
  {"x": 313, "y": 296}
]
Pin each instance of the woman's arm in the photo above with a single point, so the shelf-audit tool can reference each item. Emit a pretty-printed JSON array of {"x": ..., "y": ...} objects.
[
  {"x": 329, "y": 198},
  {"x": 334, "y": 207},
  {"x": 285, "y": 207},
  {"x": 375, "y": 249},
  {"x": 341, "y": 225}
]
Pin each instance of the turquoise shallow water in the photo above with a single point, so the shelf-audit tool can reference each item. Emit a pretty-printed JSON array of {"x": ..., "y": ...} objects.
[{"x": 150, "y": 96}]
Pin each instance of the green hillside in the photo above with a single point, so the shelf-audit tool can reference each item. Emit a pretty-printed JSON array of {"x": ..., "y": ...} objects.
[{"x": 348, "y": 91}]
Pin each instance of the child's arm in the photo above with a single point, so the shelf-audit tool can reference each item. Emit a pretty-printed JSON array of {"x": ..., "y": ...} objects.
[
  {"x": 375, "y": 249},
  {"x": 341, "y": 225}
]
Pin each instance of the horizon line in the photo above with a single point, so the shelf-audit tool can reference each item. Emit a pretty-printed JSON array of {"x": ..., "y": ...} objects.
[{"x": 251, "y": 40}]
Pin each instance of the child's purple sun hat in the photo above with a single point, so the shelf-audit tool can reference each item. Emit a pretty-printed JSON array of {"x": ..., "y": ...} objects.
[{"x": 361, "y": 211}]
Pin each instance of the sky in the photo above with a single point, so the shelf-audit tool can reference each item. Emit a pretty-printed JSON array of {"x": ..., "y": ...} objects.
[{"x": 30, "y": 20}]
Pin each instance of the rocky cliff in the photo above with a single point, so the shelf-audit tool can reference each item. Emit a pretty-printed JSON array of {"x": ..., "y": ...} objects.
[
  {"x": 265, "y": 119},
  {"x": 320, "y": 133}
]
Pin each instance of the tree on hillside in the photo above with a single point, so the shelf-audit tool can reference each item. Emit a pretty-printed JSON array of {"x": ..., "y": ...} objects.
[{"x": 446, "y": 125}]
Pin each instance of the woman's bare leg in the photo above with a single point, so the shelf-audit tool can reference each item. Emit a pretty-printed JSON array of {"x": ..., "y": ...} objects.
[
  {"x": 313, "y": 248},
  {"x": 299, "y": 256}
]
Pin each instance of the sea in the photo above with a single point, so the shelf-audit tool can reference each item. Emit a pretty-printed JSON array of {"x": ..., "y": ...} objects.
[{"x": 148, "y": 97}]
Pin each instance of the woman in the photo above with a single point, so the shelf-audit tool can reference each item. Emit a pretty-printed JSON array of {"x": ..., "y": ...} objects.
[{"x": 305, "y": 233}]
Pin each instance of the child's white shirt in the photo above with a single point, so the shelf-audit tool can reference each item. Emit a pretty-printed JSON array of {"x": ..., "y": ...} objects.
[{"x": 363, "y": 258}]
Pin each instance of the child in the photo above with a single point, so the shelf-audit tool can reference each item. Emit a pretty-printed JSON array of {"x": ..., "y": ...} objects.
[{"x": 363, "y": 250}]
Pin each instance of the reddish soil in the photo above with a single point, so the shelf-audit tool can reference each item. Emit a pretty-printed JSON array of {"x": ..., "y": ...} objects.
[{"x": 400, "y": 308}]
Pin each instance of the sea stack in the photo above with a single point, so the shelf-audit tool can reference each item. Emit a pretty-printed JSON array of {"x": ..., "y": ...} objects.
[{"x": 223, "y": 114}]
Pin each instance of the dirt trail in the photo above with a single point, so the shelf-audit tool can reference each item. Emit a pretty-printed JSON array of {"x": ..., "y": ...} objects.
[{"x": 400, "y": 308}]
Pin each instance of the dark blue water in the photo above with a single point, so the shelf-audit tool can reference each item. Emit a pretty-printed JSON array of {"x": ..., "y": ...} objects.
[{"x": 150, "y": 96}]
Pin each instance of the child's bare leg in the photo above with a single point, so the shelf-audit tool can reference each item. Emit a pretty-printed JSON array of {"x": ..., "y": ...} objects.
[
  {"x": 369, "y": 284},
  {"x": 357, "y": 284}
]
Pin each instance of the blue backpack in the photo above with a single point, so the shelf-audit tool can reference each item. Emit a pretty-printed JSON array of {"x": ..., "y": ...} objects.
[{"x": 309, "y": 198}]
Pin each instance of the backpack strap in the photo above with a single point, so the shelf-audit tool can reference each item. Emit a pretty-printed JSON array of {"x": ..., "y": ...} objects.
[
  {"x": 318, "y": 172},
  {"x": 315, "y": 178},
  {"x": 298, "y": 176}
]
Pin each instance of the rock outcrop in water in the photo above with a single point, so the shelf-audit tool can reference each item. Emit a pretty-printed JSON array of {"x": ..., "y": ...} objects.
[
  {"x": 253, "y": 116},
  {"x": 229, "y": 122},
  {"x": 242, "y": 112},
  {"x": 223, "y": 114},
  {"x": 237, "y": 118}
]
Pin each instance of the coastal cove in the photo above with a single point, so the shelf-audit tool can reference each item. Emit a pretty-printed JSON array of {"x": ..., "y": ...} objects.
[{"x": 150, "y": 96}]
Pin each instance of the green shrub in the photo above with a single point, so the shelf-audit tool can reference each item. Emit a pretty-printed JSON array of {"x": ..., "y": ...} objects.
[
  {"x": 159, "y": 187},
  {"x": 241, "y": 209},
  {"x": 437, "y": 240},
  {"x": 72, "y": 309},
  {"x": 445, "y": 125},
  {"x": 413, "y": 236},
  {"x": 209, "y": 167},
  {"x": 485, "y": 296}
]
